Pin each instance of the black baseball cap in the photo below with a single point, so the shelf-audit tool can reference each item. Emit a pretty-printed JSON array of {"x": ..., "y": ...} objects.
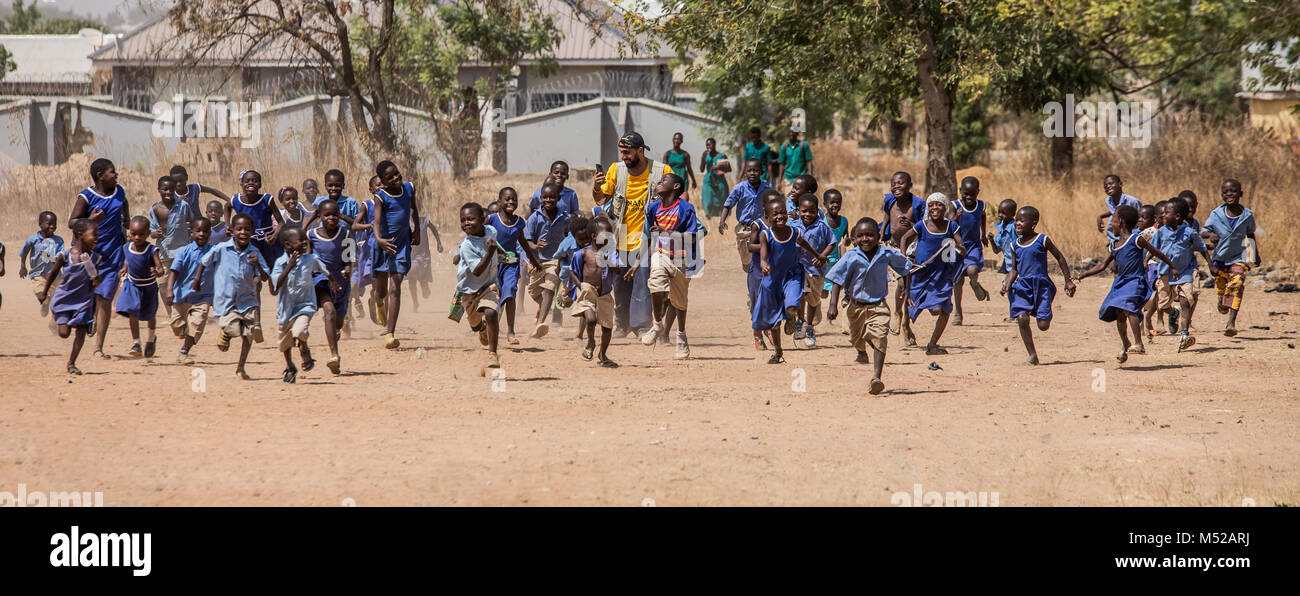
[{"x": 632, "y": 140}]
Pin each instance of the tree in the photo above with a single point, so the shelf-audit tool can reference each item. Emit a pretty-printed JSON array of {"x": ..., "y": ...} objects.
[
  {"x": 27, "y": 20},
  {"x": 489, "y": 36},
  {"x": 6, "y": 62},
  {"x": 321, "y": 34}
]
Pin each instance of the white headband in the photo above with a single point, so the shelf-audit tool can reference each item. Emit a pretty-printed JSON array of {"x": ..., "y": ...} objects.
[{"x": 937, "y": 197}]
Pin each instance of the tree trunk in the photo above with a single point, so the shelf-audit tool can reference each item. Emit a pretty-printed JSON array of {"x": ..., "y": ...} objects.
[
  {"x": 1062, "y": 156},
  {"x": 894, "y": 135},
  {"x": 940, "y": 170}
]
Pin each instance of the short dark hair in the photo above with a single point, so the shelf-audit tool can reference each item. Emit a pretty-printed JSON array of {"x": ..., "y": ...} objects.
[
  {"x": 773, "y": 201},
  {"x": 286, "y": 231},
  {"x": 501, "y": 193},
  {"x": 241, "y": 216},
  {"x": 162, "y": 179},
  {"x": 327, "y": 201},
  {"x": 477, "y": 208},
  {"x": 80, "y": 226},
  {"x": 806, "y": 198},
  {"x": 46, "y": 214},
  {"x": 383, "y": 167},
  {"x": 1030, "y": 212},
  {"x": 765, "y": 195},
  {"x": 809, "y": 182},
  {"x": 1180, "y": 206},
  {"x": 679, "y": 181},
  {"x": 754, "y": 130},
  {"x": 559, "y": 162},
  {"x": 99, "y": 166},
  {"x": 200, "y": 220},
  {"x": 905, "y": 175},
  {"x": 1127, "y": 214},
  {"x": 178, "y": 169},
  {"x": 577, "y": 223},
  {"x": 549, "y": 186},
  {"x": 139, "y": 219},
  {"x": 868, "y": 222},
  {"x": 335, "y": 172},
  {"x": 832, "y": 192},
  {"x": 971, "y": 180}
]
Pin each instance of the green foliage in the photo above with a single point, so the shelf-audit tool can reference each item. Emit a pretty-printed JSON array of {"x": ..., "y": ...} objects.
[
  {"x": 27, "y": 20},
  {"x": 6, "y": 62},
  {"x": 971, "y": 122}
]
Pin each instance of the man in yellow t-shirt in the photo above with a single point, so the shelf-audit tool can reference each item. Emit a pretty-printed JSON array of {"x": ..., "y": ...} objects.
[{"x": 631, "y": 290}]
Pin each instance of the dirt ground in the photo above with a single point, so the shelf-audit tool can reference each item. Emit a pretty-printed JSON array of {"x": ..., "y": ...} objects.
[{"x": 418, "y": 426}]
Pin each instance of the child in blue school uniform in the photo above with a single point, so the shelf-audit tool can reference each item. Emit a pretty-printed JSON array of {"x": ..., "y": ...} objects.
[
  {"x": 37, "y": 256},
  {"x": 1028, "y": 286},
  {"x": 396, "y": 217},
  {"x": 1232, "y": 228},
  {"x": 169, "y": 223},
  {"x": 1179, "y": 241},
  {"x": 808, "y": 222},
  {"x": 939, "y": 254},
  {"x": 191, "y": 308},
  {"x": 74, "y": 301},
  {"x": 1129, "y": 292},
  {"x": 238, "y": 270},
  {"x": 329, "y": 242},
  {"x": 1004, "y": 236},
  {"x": 781, "y": 289},
  {"x": 293, "y": 281},
  {"x": 138, "y": 298},
  {"x": 543, "y": 233},
  {"x": 970, "y": 218},
  {"x": 576, "y": 237},
  {"x": 863, "y": 272},
  {"x": 509, "y": 229}
]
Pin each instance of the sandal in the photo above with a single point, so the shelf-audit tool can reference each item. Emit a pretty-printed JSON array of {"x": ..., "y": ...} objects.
[
  {"x": 333, "y": 364},
  {"x": 512, "y": 340},
  {"x": 241, "y": 375},
  {"x": 308, "y": 362},
  {"x": 776, "y": 359},
  {"x": 607, "y": 363},
  {"x": 135, "y": 350},
  {"x": 73, "y": 370},
  {"x": 150, "y": 348},
  {"x": 101, "y": 355},
  {"x": 290, "y": 375},
  {"x": 587, "y": 353}
]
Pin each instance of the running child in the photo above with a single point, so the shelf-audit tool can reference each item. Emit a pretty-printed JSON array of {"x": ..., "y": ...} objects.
[
  {"x": 363, "y": 274},
  {"x": 36, "y": 259},
  {"x": 191, "y": 308},
  {"x": 104, "y": 202},
  {"x": 1115, "y": 196},
  {"x": 1005, "y": 237},
  {"x": 543, "y": 233},
  {"x": 754, "y": 270},
  {"x": 1150, "y": 228},
  {"x": 396, "y": 217},
  {"x": 901, "y": 210},
  {"x": 1198, "y": 276},
  {"x": 74, "y": 301},
  {"x": 138, "y": 299},
  {"x": 801, "y": 185},
  {"x": 294, "y": 284},
  {"x": 1179, "y": 241},
  {"x": 169, "y": 223},
  {"x": 971, "y": 222},
  {"x": 781, "y": 289},
  {"x": 939, "y": 257},
  {"x": 839, "y": 224},
  {"x": 476, "y": 275},
  {"x": 1129, "y": 291},
  {"x": 329, "y": 243},
  {"x": 190, "y": 193},
  {"x": 238, "y": 270},
  {"x": 673, "y": 224},
  {"x": 215, "y": 214},
  {"x": 262, "y": 209},
  {"x": 1028, "y": 285},
  {"x": 588, "y": 267},
  {"x": 744, "y": 198},
  {"x": 864, "y": 272},
  {"x": 310, "y": 192},
  {"x": 509, "y": 229},
  {"x": 349, "y": 208},
  {"x": 294, "y": 214},
  {"x": 577, "y": 237},
  {"x": 1236, "y": 250},
  {"x": 568, "y": 198},
  {"x": 820, "y": 236}
]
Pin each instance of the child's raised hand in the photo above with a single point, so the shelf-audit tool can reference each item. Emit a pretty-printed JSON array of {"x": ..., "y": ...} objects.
[
  {"x": 194, "y": 285},
  {"x": 40, "y": 296},
  {"x": 293, "y": 259}
]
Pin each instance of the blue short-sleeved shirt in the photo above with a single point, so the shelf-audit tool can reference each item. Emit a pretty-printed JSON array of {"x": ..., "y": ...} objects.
[
  {"x": 746, "y": 195},
  {"x": 472, "y": 251},
  {"x": 567, "y": 203},
  {"x": 186, "y": 265},
  {"x": 234, "y": 283},
  {"x": 819, "y": 236},
  {"x": 866, "y": 278},
  {"x": 563, "y": 253},
  {"x": 297, "y": 296},
  {"x": 1232, "y": 235},
  {"x": 553, "y": 230},
  {"x": 176, "y": 230},
  {"x": 1180, "y": 244},
  {"x": 40, "y": 253},
  {"x": 1111, "y": 205}
]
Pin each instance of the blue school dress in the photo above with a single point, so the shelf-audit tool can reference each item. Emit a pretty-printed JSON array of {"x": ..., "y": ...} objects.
[
  {"x": 139, "y": 295},
  {"x": 783, "y": 286},
  {"x": 969, "y": 221},
  {"x": 330, "y": 253},
  {"x": 397, "y": 226},
  {"x": 755, "y": 275},
  {"x": 834, "y": 257},
  {"x": 73, "y": 300},
  {"x": 263, "y": 224},
  {"x": 363, "y": 274},
  {"x": 1130, "y": 289},
  {"x": 111, "y": 237},
  {"x": 295, "y": 220},
  {"x": 1033, "y": 290},
  {"x": 508, "y": 238},
  {"x": 931, "y": 287}
]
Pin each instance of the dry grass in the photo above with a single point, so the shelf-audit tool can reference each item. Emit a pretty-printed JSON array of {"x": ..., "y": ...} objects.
[{"x": 1186, "y": 155}]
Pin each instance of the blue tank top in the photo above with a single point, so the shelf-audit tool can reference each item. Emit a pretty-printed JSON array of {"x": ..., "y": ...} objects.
[
  {"x": 263, "y": 221},
  {"x": 1129, "y": 258},
  {"x": 507, "y": 236},
  {"x": 112, "y": 236},
  {"x": 970, "y": 223},
  {"x": 329, "y": 250},
  {"x": 397, "y": 214},
  {"x": 782, "y": 256},
  {"x": 1031, "y": 261},
  {"x": 139, "y": 266}
]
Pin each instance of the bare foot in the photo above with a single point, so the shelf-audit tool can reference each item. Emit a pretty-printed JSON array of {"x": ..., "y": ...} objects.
[
  {"x": 935, "y": 351},
  {"x": 1123, "y": 357},
  {"x": 512, "y": 340},
  {"x": 876, "y": 386},
  {"x": 1032, "y": 359},
  {"x": 1230, "y": 331}
]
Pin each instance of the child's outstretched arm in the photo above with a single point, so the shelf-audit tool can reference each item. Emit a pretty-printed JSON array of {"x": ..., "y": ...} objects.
[
  {"x": 214, "y": 192},
  {"x": 22, "y": 259},
  {"x": 1098, "y": 268},
  {"x": 415, "y": 223},
  {"x": 906, "y": 241},
  {"x": 487, "y": 258},
  {"x": 158, "y": 269},
  {"x": 353, "y": 222},
  {"x": 198, "y": 277},
  {"x": 1155, "y": 252},
  {"x": 762, "y": 254},
  {"x": 984, "y": 228},
  {"x": 817, "y": 258},
  {"x": 50, "y": 277},
  {"x": 1065, "y": 267}
]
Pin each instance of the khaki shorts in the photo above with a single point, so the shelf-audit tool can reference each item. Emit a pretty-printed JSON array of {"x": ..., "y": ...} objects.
[
  {"x": 667, "y": 277},
  {"x": 485, "y": 298},
  {"x": 240, "y": 324},
  {"x": 296, "y": 328},
  {"x": 190, "y": 319},
  {"x": 1167, "y": 296},
  {"x": 589, "y": 300},
  {"x": 38, "y": 284},
  {"x": 544, "y": 278},
  {"x": 868, "y": 324},
  {"x": 812, "y": 296},
  {"x": 742, "y": 243}
]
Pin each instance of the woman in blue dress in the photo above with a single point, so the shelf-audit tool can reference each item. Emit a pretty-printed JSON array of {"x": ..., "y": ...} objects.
[
  {"x": 1129, "y": 291},
  {"x": 939, "y": 251}
]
